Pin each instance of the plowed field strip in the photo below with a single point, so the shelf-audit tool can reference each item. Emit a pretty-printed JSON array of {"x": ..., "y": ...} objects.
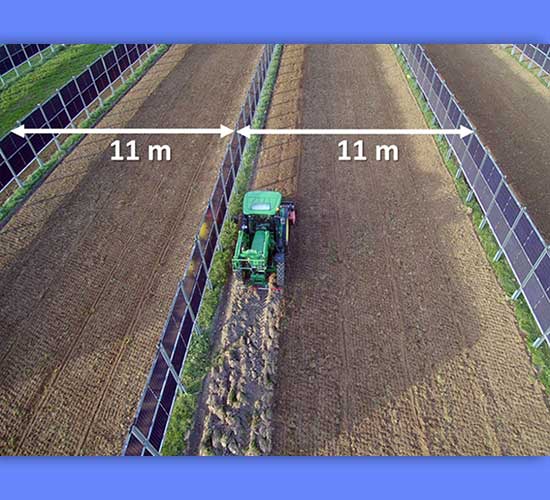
[
  {"x": 434, "y": 361},
  {"x": 106, "y": 252}
]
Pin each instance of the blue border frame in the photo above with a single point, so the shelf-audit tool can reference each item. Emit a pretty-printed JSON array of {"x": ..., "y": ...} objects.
[{"x": 280, "y": 21}]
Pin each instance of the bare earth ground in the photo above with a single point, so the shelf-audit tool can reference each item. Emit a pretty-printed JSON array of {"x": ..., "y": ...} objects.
[
  {"x": 89, "y": 265},
  {"x": 396, "y": 337},
  {"x": 510, "y": 109},
  {"x": 236, "y": 417}
]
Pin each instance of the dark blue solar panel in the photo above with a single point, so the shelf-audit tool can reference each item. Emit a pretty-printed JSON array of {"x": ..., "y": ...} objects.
[
  {"x": 179, "y": 354},
  {"x": 159, "y": 426},
  {"x": 437, "y": 84},
  {"x": 158, "y": 375},
  {"x": 523, "y": 229},
  {"x": 5, "y": 175},
  {"x": 543, "y": 273},
  {"x": 503, "y": 196},
  {"x": 169, "y": 392},
  {"x": 454, "y": 113},
  {"x": 170, "y": 334},
  {"x": 533, "y": 247},
  {"x": 520, "y": 263},
  {"x": 134, "y": 447},
  {"x": 511, "y": 210},
  {"x": 146, "y": 413},
  {"x": 445, "y": 96},
  {"x": 498, "y": 223},
  {"x": 469, "y": 167},
  {"x": 483, "y": 193},
  {"x": 533, "y": 292},
  {"x": 542, "y": 313}
]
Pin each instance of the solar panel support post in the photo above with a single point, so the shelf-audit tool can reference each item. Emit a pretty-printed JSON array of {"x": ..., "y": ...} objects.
[
  {"x": 14, "y": 67},
  {"x": 129, "y": 63},
  {"x": 108, "y": 76},
  {"x": 29, "y": 143},
  {"x": 478, "y": 173},
  {"x": 534, "y": 267},
  {"x": 493, "y": 201},
  {"x": 545, "y": 336},
  {"x": 55, "y": 139},
  {"x": 500, "y": 250},
  {"x": 80, "y": 95},
  {"x": 206, "y": 268},
  {"x": 65, "y": 108},
  {"x": 173, "y": 371},
  {"x": 145, "y": 442},
  {"x": 10, "y": 168},
  {"x": 222, "y": 177},
  {"x": 28, "y": 61},
  {"x": 190, "y": 309},
  {"x": 215, "y": 222},
  {"x": 89, "y": 68},
  {"x": 459, "y": 171}
]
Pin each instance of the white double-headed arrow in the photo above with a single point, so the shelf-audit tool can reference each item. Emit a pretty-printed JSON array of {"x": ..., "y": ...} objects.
[
  {"x": 224, "y": 131},
  {"x": 462, "y": 131}
]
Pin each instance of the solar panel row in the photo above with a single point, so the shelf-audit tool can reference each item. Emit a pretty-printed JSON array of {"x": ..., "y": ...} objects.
[
  {"x": 147, "y": 432},
  {"x": 14, "y": 55},
  {"x": 63, "y": 107},
  {"x": 519, "y": 239},
  {"x": 537, "y": 53}
]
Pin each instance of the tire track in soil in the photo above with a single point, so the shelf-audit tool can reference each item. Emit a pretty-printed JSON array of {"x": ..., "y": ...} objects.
[
  {"x": 135, "y": 319},
  {"x": 123, "y": 256},
  {"x": 435, "y": 359},
  {"x": 246, "y": 318}
]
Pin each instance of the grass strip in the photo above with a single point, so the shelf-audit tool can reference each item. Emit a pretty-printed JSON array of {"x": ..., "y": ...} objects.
[
  {"x": 12, "y": 77},
  {"x": 534, "y": 69},
  {"x": 19, "y": 99},
  {"x": 33, "y": 180},
  {"x": 199, "y": 358},
  {"x": 539, "y": 356}
]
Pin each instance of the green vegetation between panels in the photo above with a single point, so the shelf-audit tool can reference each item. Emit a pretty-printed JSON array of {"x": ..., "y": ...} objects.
[
  {"x": 199, "y": 359},
  {"x": 541, "y": 356},
  {"x": 30, "y": 183},
  {"x": 20, "y": 98},
  {"x": 11, "y": 77}
]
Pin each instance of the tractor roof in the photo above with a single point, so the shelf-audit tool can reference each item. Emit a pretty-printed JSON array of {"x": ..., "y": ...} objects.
[{"x": 261, "y": 202}]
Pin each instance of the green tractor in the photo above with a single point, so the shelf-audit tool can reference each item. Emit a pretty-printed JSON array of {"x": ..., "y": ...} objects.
[{"x": 263, "y": 238}]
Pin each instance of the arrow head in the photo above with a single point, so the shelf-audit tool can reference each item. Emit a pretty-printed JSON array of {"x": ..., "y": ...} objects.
[
  {"x": 245, "y": 131},
  {"x": 465, "y": 131},
  {"x": 225, "y": 131},
  {"x": 19, "y": 131}
]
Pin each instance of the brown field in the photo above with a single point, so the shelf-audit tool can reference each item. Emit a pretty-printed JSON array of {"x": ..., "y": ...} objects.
[
  {"x": 89, "y": 265},
  {"x": 509, "y": 106},
  {"x": 396, "y": 337}
]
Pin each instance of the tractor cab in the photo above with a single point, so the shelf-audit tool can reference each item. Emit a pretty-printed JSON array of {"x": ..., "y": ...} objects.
[{"x": 263, "y": 237}]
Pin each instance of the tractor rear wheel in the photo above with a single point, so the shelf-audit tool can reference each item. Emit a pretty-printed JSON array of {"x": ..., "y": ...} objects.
[
  {"x": 281, "y": 274},
  {"x": 239, "y": 275}
]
